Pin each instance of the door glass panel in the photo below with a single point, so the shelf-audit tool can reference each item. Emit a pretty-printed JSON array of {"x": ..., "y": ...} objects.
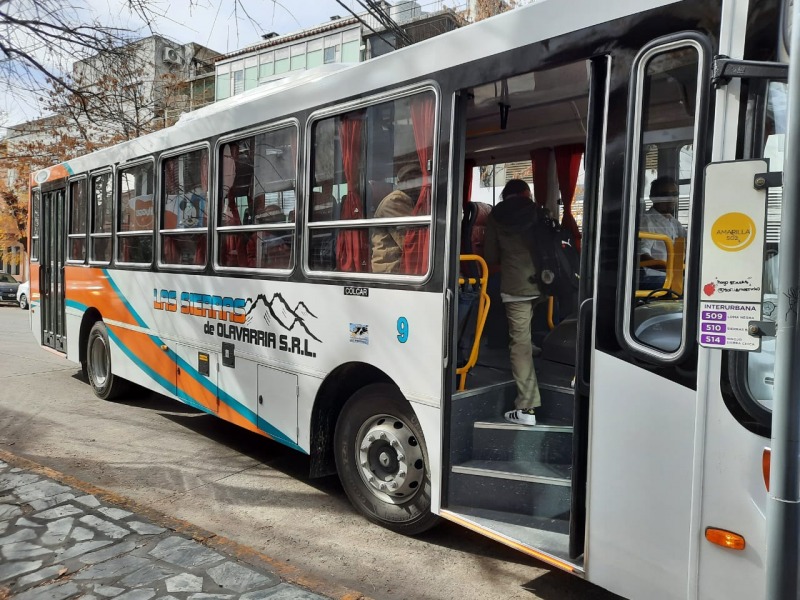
[
  {"x": 668, "y": 90},
  {"x": 761, "y": 364}
]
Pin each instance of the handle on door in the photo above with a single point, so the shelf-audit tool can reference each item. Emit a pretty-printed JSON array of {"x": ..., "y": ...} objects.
[
  {"x": 583, "y": 358},
  {"x": 261, "y": 399}
]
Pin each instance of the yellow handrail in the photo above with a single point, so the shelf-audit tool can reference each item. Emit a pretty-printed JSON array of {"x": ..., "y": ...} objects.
[
  {"x": 483, "y": 311},
  {"x": 670, "y": 270}
]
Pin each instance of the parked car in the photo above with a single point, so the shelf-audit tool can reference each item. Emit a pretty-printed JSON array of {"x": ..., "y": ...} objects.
[
  {"x": 24, "y": 295},
  {"x": 8, "y": 288}
]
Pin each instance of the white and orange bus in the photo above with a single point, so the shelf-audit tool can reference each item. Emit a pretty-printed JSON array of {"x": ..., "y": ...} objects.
[{"x": 240, "y": 262}]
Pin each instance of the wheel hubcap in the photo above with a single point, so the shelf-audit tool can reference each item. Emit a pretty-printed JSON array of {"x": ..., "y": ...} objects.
[
  {"x": 99, "y": 362},
  {"x": 390, "y": 458}
]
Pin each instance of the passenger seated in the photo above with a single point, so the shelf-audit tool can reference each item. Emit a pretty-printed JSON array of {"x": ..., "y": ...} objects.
[
  {"x": 387, "y": 242},
  {"x": 659, "y": 218}
]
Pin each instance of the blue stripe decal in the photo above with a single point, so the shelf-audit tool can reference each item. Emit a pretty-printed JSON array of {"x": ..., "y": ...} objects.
[
  {"x": 134, "y": 314},
  {"x": 242, "y": 410},
  {"x": 223, "y": 396},
  {"x": 68, "y": 168},
  {"x": 163, "y": 382},
  {"x": 73, "y": 304}
]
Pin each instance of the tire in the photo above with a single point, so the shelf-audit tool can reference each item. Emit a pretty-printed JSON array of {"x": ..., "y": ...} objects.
[
  {"x": 105, "y": 384},
  {"x": 23, "y": 302},
  {"x": 382, "y": 460}
]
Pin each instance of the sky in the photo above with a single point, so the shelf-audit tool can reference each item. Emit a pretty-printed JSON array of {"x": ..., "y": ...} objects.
[{"x": 222, "y": 25}]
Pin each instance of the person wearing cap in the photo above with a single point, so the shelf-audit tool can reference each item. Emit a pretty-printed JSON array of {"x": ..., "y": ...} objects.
[
  {"x": 387, "y": 242},
  {"x": 659, "y": 218}
]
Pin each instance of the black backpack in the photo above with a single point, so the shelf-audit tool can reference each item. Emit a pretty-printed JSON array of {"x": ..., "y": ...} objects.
[{"x": 557, "y": 261}]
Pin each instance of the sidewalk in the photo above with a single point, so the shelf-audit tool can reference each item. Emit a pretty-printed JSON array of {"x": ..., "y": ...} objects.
[{"x": 57, "y": 541}]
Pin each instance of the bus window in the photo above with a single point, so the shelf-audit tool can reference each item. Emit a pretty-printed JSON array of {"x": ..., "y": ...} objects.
[
  {"x": 662, "y": 183},
  {"x": 184, "y": 221},
  {"x": 373, "y": 163},
  {"x": 78, "y": 209},
  {"x": 257, "y": 191},
  {"x": 102, "y": 206},
  {"x": 135, "y": 227}
]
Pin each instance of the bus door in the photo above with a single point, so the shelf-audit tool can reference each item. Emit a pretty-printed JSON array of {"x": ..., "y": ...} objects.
[
  {"x": 51, "y": 272},
  {"x": 644, "y": 386},
  {"x": 525, "y": 484}
]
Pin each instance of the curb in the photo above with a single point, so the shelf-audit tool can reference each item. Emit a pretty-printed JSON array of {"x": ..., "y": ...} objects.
[{"x": 246, "y": 554}]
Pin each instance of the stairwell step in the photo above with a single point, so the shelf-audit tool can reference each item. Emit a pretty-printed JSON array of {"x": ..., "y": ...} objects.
[{"x": 550, "y": 474}]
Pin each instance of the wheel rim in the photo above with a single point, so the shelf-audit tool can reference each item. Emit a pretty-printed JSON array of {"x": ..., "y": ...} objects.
[
  {"x": 98, "y": 360},
  {"x": 390, "y": 459}
]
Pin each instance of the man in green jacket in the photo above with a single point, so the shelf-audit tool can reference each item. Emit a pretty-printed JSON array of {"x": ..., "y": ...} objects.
[{"x": 508, "y": 244}]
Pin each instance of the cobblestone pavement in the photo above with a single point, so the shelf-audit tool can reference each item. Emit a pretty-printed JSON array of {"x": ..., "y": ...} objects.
[{"x": 58, "y": 542}]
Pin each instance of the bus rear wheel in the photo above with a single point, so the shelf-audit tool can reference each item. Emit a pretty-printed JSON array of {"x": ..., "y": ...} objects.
[
  {"x": 104, "y": 383},
  {"x": 382, "y": 460}
]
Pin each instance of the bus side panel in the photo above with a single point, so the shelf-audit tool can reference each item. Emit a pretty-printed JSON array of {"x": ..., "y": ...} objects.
[
  {"x": 639, "y": 508},
  {"x": 306, "y": 329},
  {"x": 734, "y": 498}
]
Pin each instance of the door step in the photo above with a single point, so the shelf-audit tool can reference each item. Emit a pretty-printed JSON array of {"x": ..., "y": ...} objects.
[{"x": 550, "y": 474}]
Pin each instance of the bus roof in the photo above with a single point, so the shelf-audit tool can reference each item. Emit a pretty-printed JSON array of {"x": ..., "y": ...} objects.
[{"x": 538, "y": 21}]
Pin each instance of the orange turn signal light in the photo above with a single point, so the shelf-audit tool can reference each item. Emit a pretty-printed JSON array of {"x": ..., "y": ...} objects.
[
  {"x": 765, "y": 458},
  {"x": 726, "y": 539}
]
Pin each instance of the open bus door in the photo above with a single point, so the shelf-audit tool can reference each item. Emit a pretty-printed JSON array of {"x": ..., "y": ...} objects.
[
  {"x": 51, "y": 272},
  {"x": 526, "y": 485}
]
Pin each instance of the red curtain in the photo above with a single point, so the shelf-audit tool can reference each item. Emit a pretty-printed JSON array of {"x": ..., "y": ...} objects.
[
  {"x": 352, "y": 250},
  {"x": 568, "y": 162},
  {"x": 540, "y": 161},
  {"x": 418, "y": 239},
  {"x": 469, "y": 165}
]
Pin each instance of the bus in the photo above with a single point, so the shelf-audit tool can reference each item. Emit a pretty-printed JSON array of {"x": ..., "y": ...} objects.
[{"x": 241, "y": 262}]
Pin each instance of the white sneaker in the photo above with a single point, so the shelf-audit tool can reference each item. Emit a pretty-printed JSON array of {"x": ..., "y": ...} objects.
[{"x": 520, "y": 417}]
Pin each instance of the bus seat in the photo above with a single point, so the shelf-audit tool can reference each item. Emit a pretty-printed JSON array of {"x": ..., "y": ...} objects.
[
  {"x": 378, "y": 190},
  {"x": 479, "y": 222},
  {"x": 560, "y": 344}
]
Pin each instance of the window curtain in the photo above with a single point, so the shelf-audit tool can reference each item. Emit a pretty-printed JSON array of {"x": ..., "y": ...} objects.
[
  {"x": 418, "y": 239},
  {"x": 469, "y": 166},
  {"x": 352, "y": 249},
  {"x": 568, "y": 162},
  {"x": 540, "y": 161}
]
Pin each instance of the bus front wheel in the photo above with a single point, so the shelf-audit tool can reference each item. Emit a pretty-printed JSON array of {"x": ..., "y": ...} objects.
[
  {"x": 104, "y": 383},
  {"x": 382, "y": 460}
]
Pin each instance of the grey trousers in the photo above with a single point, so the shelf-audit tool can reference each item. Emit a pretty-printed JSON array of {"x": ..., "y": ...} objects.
[{"x": 521, "y": 348}]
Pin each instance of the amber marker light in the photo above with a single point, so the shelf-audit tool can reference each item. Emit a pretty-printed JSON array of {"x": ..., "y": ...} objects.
[
  {"x": 765, "y": 466},
  {"x": 726, "y": 539}
]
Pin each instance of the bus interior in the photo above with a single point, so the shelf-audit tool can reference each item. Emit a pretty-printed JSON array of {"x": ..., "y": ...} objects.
[{"x": 517, "y": 480}]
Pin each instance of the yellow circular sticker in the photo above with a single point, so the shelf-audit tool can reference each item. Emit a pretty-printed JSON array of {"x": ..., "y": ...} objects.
[{"x": 733, "y": 231}]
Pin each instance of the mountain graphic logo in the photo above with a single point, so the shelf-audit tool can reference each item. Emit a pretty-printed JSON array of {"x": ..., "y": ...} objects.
[{"x": 278, "y": 312}]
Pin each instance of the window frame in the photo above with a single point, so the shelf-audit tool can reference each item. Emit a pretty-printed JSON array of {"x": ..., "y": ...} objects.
[
  {"x": 36, "y": 226},
  {"x": 161, "y": 202},
  {"x": 625, "y": 303},
  {"x": 277, "y": 125},
  {"x": 90, "y": 224},
  {"x": 429, "y": 220},
  {"x": 117, "y": 202},
  {"x": 71, "y": 236}
]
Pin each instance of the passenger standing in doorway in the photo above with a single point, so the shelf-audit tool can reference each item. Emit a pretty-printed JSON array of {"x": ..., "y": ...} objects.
[{"x": 508, "y": 243}]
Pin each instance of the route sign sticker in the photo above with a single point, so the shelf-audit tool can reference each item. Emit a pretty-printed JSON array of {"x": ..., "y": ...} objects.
[
  {"x": 732, "y": 267},
  {"x": 725, "y": 325}
]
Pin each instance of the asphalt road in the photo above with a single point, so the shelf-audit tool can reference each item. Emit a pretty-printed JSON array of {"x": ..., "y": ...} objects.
[{"x": 195, "y": 467}]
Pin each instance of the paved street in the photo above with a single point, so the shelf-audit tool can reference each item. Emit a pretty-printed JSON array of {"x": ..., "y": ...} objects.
[
  {"x": 58, "y": 542},
  {"x": 154, "y": 454}
]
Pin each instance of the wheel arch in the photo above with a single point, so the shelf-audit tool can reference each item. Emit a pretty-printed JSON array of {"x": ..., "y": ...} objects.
[
  {"x": 335, "y": 391},
  {"x": 90, "y": 317}
]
